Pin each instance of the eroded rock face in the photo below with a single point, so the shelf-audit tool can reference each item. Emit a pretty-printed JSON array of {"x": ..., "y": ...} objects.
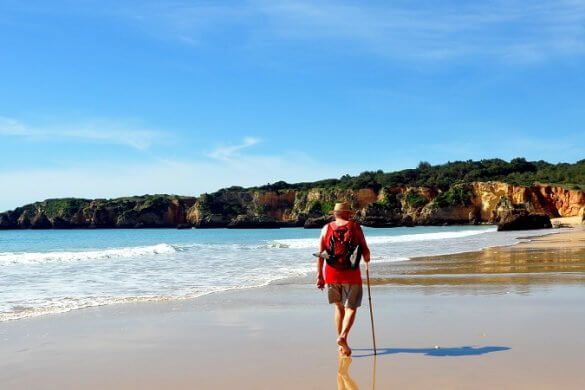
[
  {"x": 487, "y": 196},
  {"x": 8, "y": 220},
  {"x": 490, "y": 202},
  {"x": 248, "y": 222},
  {"x": 68, "y": 213},
  {"x": 379, "y": 215},
  {"x": 40, "y": 221},
  {"x": 561, "y": 201},
  {"x": 553, "y": 201},
  {"x": 447, "y": 215},
  {"x": 317, "y": 223},
  {"x": 24, "y": 219},
  {"x": 510, "y": 216}
]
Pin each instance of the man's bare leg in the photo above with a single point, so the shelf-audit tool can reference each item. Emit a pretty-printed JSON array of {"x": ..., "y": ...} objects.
[
  {"x": 348, "y": 319},
  {"x": 339, "y": 314}
]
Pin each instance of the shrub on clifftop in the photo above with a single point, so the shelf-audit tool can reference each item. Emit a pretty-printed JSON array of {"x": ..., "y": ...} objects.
[
  {"x": 414, "y": 199},
  {"x": 457, "y": 195}
]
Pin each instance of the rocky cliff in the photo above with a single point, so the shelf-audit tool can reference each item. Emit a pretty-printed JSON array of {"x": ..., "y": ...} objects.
[
  {"x": 129, "y": 212},
  {"x": 477, "y": 202}
]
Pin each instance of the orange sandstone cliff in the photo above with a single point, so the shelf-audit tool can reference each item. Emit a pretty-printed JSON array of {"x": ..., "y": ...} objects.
[{"x": 477, "y": 202}]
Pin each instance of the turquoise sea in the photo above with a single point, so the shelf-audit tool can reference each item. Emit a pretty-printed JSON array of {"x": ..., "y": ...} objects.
[{"x": 52, "y": 271}]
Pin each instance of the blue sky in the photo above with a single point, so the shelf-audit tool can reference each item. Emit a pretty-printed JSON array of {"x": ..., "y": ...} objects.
[{"x": 113, "y": 98}]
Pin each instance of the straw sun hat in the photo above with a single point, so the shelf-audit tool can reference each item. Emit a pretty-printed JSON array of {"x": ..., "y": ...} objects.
[{"x": 342, "y": 207}]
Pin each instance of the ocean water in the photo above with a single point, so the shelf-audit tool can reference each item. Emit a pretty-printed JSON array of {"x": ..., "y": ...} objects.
[{"x": 52, "y": 271}]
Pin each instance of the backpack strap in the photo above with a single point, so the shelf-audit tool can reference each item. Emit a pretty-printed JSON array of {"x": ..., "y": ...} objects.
[{"x": 329, "y": 236}]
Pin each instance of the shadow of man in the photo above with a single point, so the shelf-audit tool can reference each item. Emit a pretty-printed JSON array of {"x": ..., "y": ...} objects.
[{"x": 435, "y": 351}]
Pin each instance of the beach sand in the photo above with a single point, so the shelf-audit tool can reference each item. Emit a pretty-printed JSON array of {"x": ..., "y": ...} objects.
[{"x": 501, "y": 318}]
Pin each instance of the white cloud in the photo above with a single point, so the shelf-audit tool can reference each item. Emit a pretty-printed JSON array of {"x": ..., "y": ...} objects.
[
  {"x": 223, "y": 167},
  {"x": 105, "y": 131},
  {"x": 229, "y": 152},
  {"x": 10, "y": 126},
  {"x": 510, "y": 31},
  {"x": 108, "y": 180}
]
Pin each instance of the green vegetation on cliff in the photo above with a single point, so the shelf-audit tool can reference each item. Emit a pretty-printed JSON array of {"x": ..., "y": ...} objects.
[
  {"x": 320, "y": 206},
  {"x": 414, "y": 199},
  {"x": 389, "y": 202},
  {"x": 56, "y": 207},
  {"x": 457, "y": 195},
  {"x": 517, "y": 171},
  {"x": 64, "y": 207}
]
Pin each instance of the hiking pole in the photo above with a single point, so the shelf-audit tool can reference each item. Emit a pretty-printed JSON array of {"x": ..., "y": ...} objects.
[{"x": 370, "y": 304}]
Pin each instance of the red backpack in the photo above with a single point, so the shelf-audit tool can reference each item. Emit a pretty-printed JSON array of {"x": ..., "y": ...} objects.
[{"x": 343, "y": 251}]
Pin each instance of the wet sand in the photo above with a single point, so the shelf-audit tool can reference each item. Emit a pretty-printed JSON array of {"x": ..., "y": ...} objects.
[
  {"x": 502, "y": 318},
  {"x": 573, "y": 239}
]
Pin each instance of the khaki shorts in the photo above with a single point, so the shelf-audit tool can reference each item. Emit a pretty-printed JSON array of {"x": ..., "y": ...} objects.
[{"x": 350, "y": 295}]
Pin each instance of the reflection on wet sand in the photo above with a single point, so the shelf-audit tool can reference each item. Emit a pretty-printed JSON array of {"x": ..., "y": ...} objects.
[
  {"x": 344, "y": 381},
  {"x": 374, "y": 372},
  {"x": 497, "y": 269}
]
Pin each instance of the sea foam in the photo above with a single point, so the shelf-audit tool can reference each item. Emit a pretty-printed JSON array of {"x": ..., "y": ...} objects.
[
  {"x": 174, "y": 264},
  {"x": 312, "y": 242},
  {"x": 8, "y": 258}
]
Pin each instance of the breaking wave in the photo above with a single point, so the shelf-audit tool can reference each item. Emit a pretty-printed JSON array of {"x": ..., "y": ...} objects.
[
  {"x": 7, "y": 258},
  {"x": 312, "y": 242},
  {"x": 72, "y": 303}
]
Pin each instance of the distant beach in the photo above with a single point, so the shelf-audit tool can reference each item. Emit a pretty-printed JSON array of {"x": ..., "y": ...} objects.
[{"x": 497, "y": 318}]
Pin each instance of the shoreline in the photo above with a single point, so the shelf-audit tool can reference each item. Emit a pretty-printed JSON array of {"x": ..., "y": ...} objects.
[
  {"x": 286, "y": 279},
  {"x": 575, "y": 236},
  {"x": 563, "y": 221}
]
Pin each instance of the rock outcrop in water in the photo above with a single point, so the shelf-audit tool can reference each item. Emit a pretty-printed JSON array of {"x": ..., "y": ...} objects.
[
  {"x": 472, "y": 203},
  {"x": 524, "y": 221},
  {"x": 511, "y": 216}
]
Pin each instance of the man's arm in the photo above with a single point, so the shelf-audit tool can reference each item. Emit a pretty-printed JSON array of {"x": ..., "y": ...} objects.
[
  {"x": 320, "y": 279},
  {"x": 363, "y": 244}
]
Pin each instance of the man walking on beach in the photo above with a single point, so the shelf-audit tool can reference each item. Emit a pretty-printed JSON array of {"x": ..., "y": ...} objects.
[{"x": 340, "y": 242}]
